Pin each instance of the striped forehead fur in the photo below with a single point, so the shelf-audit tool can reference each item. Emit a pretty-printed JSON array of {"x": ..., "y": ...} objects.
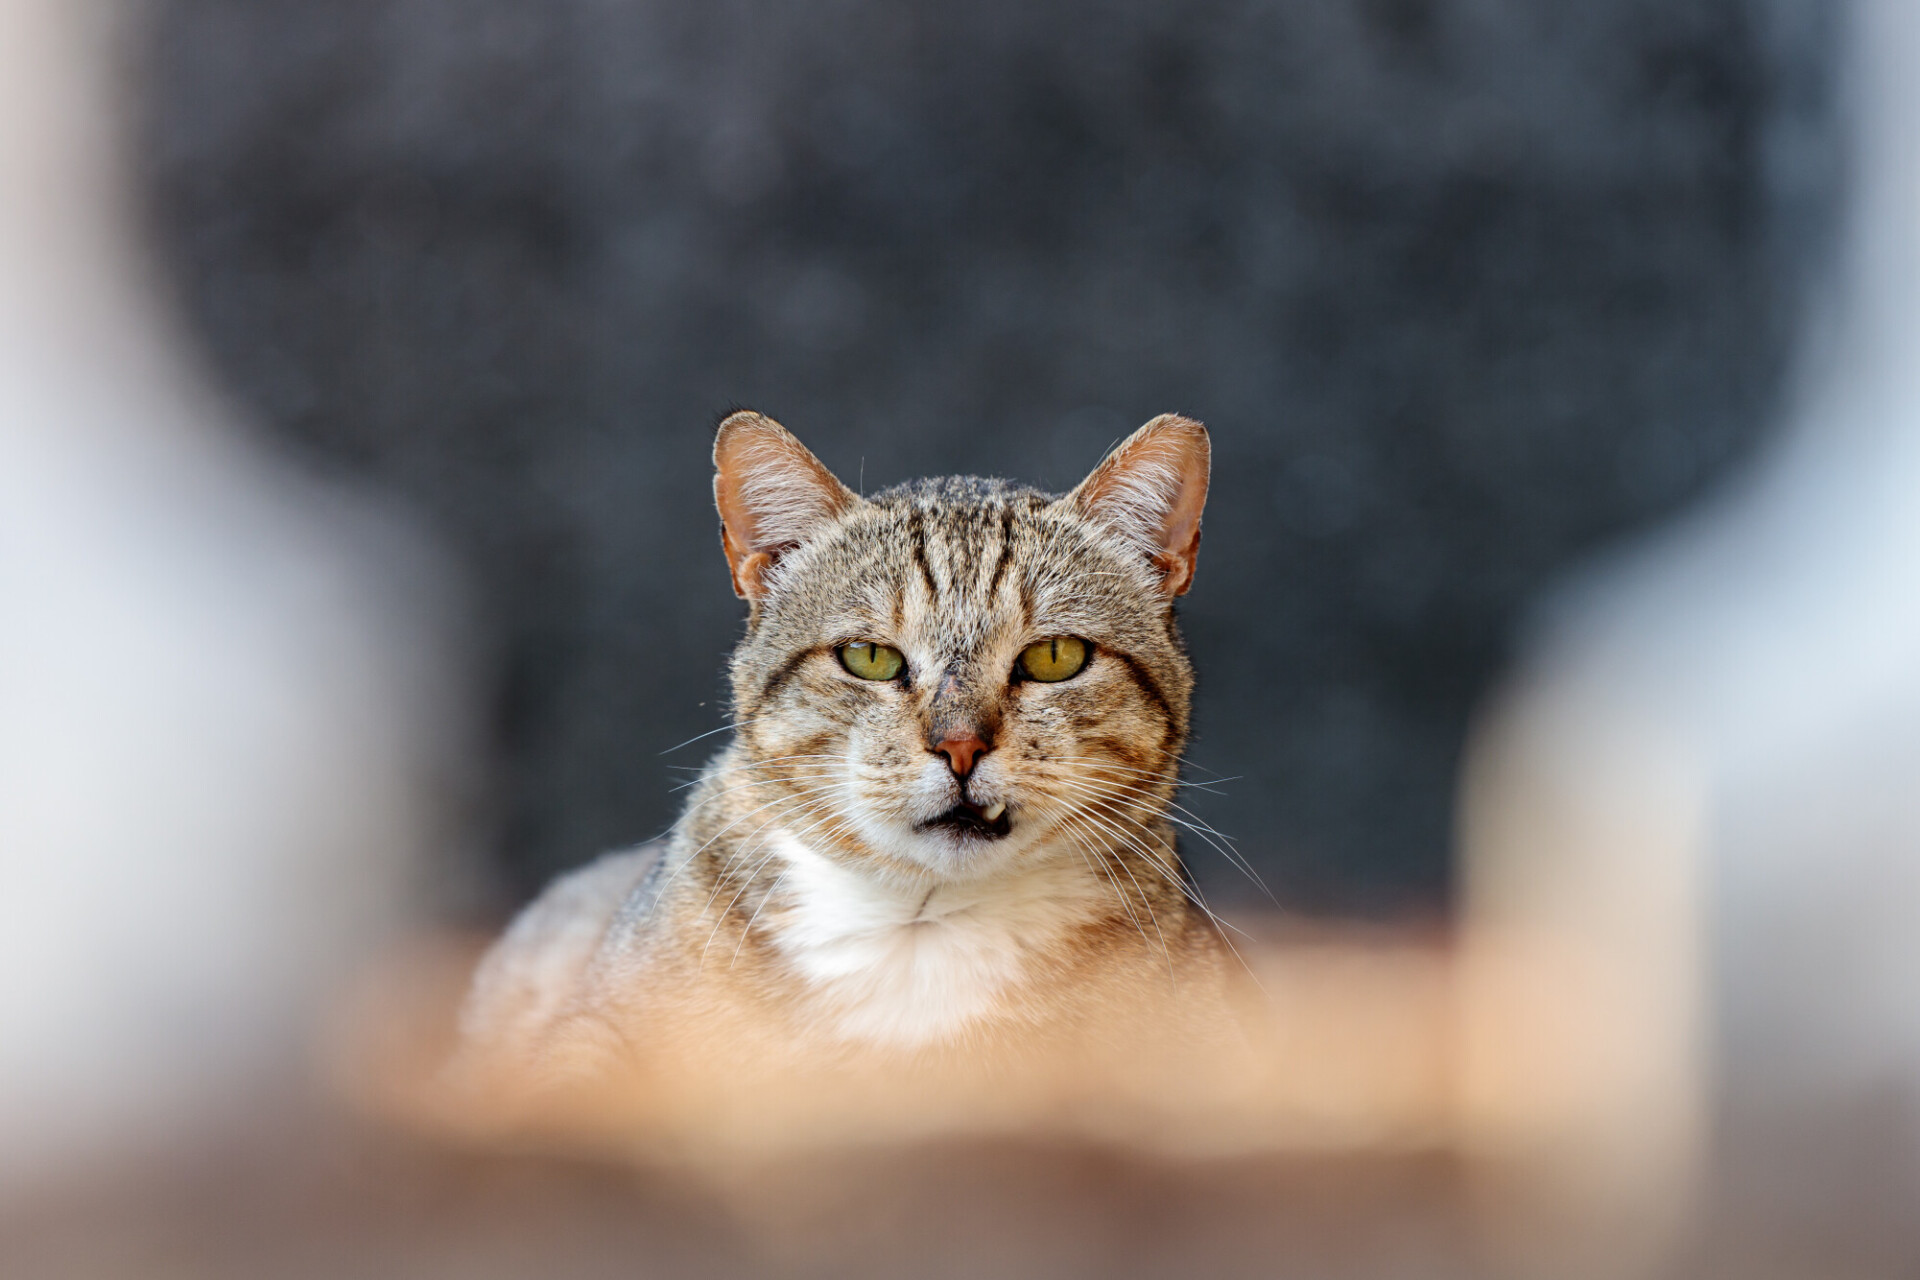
[{"x": 951, "y": 544}]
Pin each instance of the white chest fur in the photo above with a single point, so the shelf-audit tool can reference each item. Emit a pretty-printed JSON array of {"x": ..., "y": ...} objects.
[{"x": 898, "y": 965}]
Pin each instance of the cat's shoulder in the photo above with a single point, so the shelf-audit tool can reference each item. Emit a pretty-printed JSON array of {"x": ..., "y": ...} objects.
[{"x": 536, "y": 970}]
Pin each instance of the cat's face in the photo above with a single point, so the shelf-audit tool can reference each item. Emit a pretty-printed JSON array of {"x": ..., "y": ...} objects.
[{"x": 957, "y": 674}]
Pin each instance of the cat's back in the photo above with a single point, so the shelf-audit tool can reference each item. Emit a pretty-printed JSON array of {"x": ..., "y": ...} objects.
[{"x": 538, "y": 970}]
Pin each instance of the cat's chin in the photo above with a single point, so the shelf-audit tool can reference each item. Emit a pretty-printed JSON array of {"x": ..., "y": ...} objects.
[
  {"x": 962, "y": 843},
  {"x": 959, "y": 855}
]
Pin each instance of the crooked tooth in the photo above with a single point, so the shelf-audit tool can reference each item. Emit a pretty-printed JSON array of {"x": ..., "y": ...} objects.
[{"x": 992, "y": 813}]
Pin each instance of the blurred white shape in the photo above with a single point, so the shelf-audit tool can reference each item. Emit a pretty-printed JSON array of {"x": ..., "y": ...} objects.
[
  {"x": 225, "y": 716},
  {"x": 1692, "y": 825}
]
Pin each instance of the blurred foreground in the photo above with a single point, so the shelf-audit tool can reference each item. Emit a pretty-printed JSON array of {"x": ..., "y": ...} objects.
[{"x": 1352, "y": 1159}]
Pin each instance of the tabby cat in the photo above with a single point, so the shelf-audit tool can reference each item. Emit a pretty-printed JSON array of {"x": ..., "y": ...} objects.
[{"x": 941, "y": 832}]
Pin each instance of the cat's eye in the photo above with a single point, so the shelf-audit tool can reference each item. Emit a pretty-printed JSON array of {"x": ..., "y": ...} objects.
[
  {"x": 872, "y": 661},
  {"x": 1060, "y": 658}
]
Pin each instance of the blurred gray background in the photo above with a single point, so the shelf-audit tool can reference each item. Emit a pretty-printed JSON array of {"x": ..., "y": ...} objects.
[{"x": 1466, "y": 292}]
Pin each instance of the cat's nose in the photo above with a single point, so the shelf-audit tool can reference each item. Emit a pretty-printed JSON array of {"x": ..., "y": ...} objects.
[{"x": 961, "y": 750}]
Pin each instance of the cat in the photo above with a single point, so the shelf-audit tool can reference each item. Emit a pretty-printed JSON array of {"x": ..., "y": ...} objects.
[{"x": 941, "y": 831}]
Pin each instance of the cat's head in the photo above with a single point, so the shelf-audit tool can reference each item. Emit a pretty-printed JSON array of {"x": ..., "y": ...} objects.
[{"x": 957, "y": 673}]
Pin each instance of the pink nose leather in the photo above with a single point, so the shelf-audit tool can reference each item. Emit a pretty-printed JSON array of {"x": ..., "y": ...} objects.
[{"x": 962, "y": 753}]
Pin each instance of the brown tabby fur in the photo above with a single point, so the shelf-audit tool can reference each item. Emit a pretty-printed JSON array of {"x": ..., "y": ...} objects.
[{"x": 757, "y": 938}]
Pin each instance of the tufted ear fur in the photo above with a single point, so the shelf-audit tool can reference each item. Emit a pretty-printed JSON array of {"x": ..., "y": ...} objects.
[
  {"x": 773, "y": 495},
  {"x": 1150, "y": 491}
]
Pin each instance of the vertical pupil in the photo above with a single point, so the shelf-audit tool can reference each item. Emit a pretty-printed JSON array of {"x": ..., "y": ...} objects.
[{"x": 1055, "y": 642}]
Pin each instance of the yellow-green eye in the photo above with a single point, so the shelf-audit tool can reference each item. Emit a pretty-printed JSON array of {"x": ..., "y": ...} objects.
[
  {"x": 871, "y": 661},
  {"x": 1060, "y": 658}
]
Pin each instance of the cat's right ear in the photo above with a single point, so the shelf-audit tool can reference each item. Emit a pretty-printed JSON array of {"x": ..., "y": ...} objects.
[{"x": 773, "y": 495}]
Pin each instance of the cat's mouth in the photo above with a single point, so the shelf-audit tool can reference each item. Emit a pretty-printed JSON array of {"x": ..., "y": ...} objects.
[{"x": 988, "y": 822}]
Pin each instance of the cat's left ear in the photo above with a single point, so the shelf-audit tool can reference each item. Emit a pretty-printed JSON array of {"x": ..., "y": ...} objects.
[
  {"x": 1150, "y": 491},
  {"x": 773, "y": 495}
]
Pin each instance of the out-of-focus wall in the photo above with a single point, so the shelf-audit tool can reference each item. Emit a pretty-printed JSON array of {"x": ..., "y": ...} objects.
[
  {"x": 1692, "y": 830},
  {"x": 1464, "y": 291},
  {"x": 230, "y": 697}
]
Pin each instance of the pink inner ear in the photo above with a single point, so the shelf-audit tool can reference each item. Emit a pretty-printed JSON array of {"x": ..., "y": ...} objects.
[
  {"x": 772, "y": 494},
  {"x": 1152, "y": 491}
]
